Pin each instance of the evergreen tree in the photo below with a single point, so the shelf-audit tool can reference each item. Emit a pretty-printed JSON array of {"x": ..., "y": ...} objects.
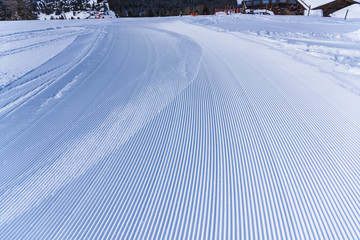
[
  {"x": 205, "y": 10},
  {"x": 26, "y": 10},
  {"x": 4, "y": 11},
  {"x": 21, "y": 9}
]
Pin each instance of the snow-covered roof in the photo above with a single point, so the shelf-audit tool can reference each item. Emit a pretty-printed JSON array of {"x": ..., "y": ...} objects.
[
  {"x": 312, "y": 3},
  {"x": 317, "y": 3},
  {"x": 354, "y": 12}
]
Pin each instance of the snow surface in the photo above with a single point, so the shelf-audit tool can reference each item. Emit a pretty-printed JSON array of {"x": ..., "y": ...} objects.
[{"x": 224, "y": 127}]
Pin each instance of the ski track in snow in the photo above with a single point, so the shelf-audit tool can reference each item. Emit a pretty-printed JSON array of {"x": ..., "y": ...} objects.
[{"x": 174, "y": 128}]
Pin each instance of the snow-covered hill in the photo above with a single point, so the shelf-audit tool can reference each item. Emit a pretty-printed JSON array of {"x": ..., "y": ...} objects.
[
  {"x": 73, "y": 9},
  {"x": 229, "y": 127}
]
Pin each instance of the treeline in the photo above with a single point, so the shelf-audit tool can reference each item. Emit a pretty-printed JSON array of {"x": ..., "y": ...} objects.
[
  {"x": 61, "y": 6},
  {"x": 17, "y": 10},
  {"x": 158, "y": 8},
  {"x": 27, "y": 10}
]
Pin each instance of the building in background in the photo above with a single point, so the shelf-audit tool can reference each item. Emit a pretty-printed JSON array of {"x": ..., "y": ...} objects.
[{"x": 298, "y": 7}]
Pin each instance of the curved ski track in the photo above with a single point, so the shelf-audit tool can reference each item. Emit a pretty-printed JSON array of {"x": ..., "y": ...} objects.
[{"x": 168, "y": 131}]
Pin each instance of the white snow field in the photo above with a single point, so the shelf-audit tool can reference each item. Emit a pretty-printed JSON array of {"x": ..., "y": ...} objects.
[{"x": 208, "y": 127}]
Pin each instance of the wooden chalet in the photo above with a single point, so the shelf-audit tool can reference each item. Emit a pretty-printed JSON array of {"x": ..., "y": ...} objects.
[{"x": 298, "y": 7}]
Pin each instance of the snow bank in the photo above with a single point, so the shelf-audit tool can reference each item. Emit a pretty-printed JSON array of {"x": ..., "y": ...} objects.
[
  {"x": 259, "y": 11},
  {"x": 25, "y": 48},
  {"x": 314, "y": 13},
  {"x": 220, "y": 14},
  {"x": 355, "y": 35}
]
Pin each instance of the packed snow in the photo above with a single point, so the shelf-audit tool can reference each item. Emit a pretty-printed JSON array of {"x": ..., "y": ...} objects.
[{"x": 221, "y": 127}]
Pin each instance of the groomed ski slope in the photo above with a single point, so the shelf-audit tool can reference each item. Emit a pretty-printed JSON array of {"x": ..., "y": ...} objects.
[{"x": 232, "y": 127}]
